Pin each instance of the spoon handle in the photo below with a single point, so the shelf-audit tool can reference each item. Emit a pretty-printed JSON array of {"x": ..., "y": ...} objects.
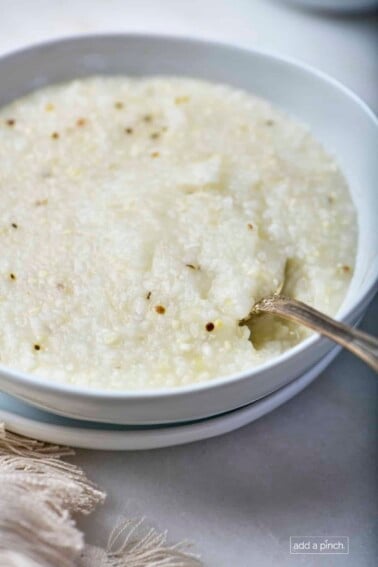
[{"x": 361, "y": 344}]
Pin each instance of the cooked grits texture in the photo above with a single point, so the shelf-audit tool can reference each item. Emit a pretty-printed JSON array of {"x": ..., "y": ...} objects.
[{"x": 141, "y": 219}]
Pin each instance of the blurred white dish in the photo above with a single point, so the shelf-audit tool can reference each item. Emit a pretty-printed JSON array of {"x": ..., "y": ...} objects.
[
  {"x": 336, "y": 5},
  {"x": 337, "y": 118}
]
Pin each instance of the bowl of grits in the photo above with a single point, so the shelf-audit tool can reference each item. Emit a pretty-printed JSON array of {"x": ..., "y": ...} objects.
[{"x": 152, "y": 190}]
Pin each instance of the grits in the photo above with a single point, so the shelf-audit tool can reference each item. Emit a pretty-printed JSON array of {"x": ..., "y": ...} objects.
[{"x": 141, "y": 219}]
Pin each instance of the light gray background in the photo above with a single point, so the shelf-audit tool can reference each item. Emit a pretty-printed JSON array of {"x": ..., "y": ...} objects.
[{"x": 309, "y": 467}]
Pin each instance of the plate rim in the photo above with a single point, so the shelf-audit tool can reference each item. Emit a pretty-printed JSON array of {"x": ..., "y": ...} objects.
[{"x": 163, "y": 435}]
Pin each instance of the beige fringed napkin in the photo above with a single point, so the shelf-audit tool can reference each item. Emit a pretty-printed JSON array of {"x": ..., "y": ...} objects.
[{"x": 39, "y": 494}]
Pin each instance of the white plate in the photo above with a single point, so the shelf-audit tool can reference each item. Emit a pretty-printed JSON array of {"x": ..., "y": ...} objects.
[{"x": 27, "y": 420}]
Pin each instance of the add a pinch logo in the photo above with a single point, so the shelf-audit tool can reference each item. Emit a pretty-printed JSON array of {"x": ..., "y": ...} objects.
[{"x": 319, "y": 545}]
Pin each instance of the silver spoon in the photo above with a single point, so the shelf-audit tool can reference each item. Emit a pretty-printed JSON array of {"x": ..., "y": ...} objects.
[{"x": 361, "y": 344}]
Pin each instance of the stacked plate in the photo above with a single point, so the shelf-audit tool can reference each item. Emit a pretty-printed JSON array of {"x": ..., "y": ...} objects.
[
  {"x": 25, "y": 419},
  {"x": 118, "y": 420}
]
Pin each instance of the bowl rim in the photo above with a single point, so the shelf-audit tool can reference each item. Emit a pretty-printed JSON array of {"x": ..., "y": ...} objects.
[{"x": 35, "y": 381}]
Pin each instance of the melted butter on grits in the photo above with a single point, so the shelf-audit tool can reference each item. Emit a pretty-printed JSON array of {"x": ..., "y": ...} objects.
[{"x": 141, "y": 219}]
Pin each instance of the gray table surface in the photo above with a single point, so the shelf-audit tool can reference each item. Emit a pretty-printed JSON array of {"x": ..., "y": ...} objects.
[{"x": 308, "y": 468}]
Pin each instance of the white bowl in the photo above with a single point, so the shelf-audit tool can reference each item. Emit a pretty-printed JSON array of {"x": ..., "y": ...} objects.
[{"x": 337, "y": 117}]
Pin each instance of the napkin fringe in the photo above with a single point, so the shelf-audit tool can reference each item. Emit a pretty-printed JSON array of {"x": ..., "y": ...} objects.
[
  {"x": 39, "y": 492},
  {"x": 133, "y": 544}
]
